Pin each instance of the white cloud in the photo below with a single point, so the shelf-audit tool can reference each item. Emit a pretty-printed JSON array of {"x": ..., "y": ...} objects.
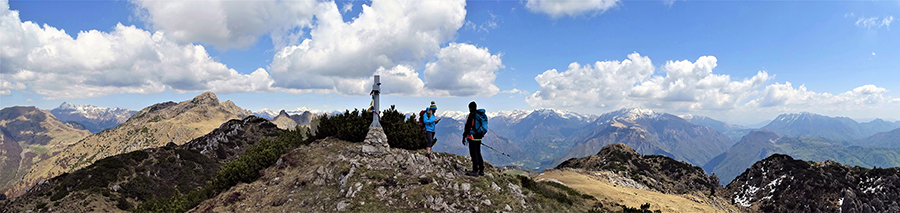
[
  {"x": 347, "y": 7},
  {"x": 693, "y": 86},
  {"x": 390, "y": 38},
  {"x": 464, "y": 70},
  {"x": 873, "y": 53},
  {"x": 485, "y": 26},
  {"x": 787, "y": 97},
  {"x": 573, "y": 8},
  {"x": 669, "y": 3},
  {"x": 873, "y": 22},
  {"x": 6, "y": 87},
  {"x": 51, "y": 63},
  {"x": 688, "y": 87},
  {"x": 606, "y": 84},
  {"x": 341, "y": 56},
  {"x": 514, "y": 91},
  {"x": 229, "y": 24}
]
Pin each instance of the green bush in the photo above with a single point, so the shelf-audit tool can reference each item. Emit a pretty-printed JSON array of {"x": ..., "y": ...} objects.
[
  {"x": 645, "y": 208},
  {"x": 59, "y": 195},
  {"x": 402, "y": 133},
  {"x": 348, "y": 126}
]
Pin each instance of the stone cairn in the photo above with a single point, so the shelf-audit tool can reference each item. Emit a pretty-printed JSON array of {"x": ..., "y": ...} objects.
[
  {"x": 376, "y": 137},
  {"x": 376, "y": 141}
]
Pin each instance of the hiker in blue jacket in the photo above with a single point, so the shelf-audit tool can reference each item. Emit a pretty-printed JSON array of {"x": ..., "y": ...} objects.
[
  {"x": 473, "y": 132},
  {"x": 430, "y": 121}
]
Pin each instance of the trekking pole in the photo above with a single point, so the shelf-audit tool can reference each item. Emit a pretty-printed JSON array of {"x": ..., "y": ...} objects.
[{"x": 492, "y": 148}]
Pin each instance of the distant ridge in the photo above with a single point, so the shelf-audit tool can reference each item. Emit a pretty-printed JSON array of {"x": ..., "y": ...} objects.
[
  {"x": 834, "y": 128},
  {"x": 650, "y": 133}
]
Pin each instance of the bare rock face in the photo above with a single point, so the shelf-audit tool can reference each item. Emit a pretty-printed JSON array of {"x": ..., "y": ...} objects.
[{"x": 781, "y": 183}]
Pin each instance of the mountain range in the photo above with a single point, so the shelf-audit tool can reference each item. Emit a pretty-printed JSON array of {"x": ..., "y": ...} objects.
[
  {"x": 760, "y": 144},
  {"x": 92, "y": 118},
  {"x": 650, "y": 133},
  {"x": 835, "y": 128}
]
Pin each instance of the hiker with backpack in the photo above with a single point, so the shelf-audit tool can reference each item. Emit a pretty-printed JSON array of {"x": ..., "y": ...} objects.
[
  {"x": 429, "y": 121},
  {"x": 473, "y": 132}
]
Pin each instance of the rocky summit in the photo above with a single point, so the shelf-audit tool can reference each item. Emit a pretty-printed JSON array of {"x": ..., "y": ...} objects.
[
  {"x": 332, "y": 175},
  {"x": 781, "y": 183}
]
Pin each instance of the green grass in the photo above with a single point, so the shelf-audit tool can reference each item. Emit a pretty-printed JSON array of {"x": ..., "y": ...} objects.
[{"x": 38, "y": 149}]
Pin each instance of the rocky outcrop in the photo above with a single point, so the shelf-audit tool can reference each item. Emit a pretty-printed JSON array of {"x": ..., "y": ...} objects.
[
  {"x": 781, "y": 183},
  {"x": 658, "y": 173},
  {"x": 232, "y": 138}
]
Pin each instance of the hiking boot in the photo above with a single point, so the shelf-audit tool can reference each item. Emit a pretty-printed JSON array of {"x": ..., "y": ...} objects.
[
  {"x": 429, "y": 155},
  {"x": 480, "y": 173},
  {"x": 472, "y": 173}
]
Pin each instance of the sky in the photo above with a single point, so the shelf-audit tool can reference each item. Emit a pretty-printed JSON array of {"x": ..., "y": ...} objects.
[{"x": 737, "y": 61}]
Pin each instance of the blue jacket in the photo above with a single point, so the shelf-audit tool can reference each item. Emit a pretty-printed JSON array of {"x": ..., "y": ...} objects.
[{"x": 429, "y": 122}]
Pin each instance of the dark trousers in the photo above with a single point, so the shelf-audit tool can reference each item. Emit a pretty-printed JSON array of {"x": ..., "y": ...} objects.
[
  {"x": 429, "y": 139},
  {"x": 475, "y": 152}
]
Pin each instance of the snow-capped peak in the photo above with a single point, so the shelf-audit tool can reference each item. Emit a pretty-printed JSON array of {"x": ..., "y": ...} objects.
[
  {"x": 627, "y": 114},
  {"x": 635, "y": 113},
  {"x": 91, "y": 112},
  {"x": 687, "y": 116},
  {"x": 515, "y": 116},
  {"x": 66, "y": 105},
  {"x": 455, "y": 115},
  {"x": 794, "y": 116}
]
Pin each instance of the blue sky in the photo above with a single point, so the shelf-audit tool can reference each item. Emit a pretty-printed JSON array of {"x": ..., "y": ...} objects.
[{"x": 739, "y": 61}]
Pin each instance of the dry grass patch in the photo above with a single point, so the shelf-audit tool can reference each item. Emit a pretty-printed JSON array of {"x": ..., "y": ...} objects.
[{"x": 609, "y": 193}]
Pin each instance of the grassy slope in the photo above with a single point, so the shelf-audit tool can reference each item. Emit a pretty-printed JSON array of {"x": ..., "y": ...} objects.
[{"x": 607, "y": 192}]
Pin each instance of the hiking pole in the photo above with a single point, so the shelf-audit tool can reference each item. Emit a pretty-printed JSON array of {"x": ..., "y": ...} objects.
[{"x": 492, "y": 148}]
